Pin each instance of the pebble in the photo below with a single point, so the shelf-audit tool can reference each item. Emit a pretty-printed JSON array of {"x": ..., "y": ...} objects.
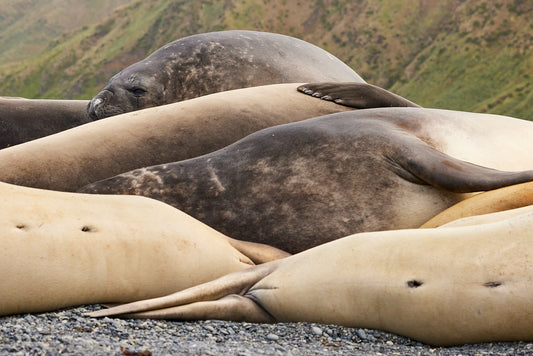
[
  {"x": 69, "y": 332},
  {"x": 316, "y": 330},
  {"x": 361, "y": 333},
  {"x": 273, "y": 337}
]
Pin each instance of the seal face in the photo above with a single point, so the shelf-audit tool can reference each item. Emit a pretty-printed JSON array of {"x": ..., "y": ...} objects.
[
  {"x": 298, "y": 185},
  {"x": 212, "y": 62}
]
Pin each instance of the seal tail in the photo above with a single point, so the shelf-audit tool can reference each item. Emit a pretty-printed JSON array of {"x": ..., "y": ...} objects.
[
  {"x": 218, "y": 299},
  {"x": 231, "y": 307}
]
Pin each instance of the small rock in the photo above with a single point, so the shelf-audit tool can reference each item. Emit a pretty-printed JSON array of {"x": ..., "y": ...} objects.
[
  {"x": 361, "y": 333},
  {"x": 280, "y": 348},
  {"x": 316, "y": 330},
  {"x": 272, "y": 337},
  {"x": 209, "y": 328}
]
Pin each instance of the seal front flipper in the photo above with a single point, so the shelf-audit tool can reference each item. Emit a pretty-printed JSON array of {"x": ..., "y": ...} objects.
[
  {"x": 258, "y": 253},
  {"x": 223, "y": 299},
  {"x": 356, "y": 95},
  {"x": 422, "y": 164}
]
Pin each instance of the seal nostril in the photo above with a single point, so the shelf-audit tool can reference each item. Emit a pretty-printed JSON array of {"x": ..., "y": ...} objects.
[
  {"x": 85, "y": 229},
  {"x": 21, "y": 226}
]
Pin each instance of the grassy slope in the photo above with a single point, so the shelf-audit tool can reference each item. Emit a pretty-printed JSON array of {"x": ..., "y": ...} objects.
[
  {"x": 470, "y": 55},
  {"x": 27, "y": 26}
]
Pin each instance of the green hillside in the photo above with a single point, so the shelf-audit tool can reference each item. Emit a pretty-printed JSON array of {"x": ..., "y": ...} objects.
[{"x": 472, "y": 55}]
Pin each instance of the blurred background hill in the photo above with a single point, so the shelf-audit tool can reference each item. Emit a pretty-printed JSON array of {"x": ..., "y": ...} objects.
[{"x": 473, "y": 55}]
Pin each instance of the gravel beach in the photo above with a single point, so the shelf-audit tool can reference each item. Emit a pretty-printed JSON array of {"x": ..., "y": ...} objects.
[{"x": 68, "y": 332}]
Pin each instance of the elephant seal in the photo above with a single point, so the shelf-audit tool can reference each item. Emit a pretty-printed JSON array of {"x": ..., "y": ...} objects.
[
  {"x": 61, "y": 249},
  {"x": 507, "y": 198},
  {"x": 71, "y": 159},
  {"x": 23, "y": 120},
  {"x": 212, "y": 62},
  {"x": 298, "y": 185},
  {"x": 444, "y": 286}
]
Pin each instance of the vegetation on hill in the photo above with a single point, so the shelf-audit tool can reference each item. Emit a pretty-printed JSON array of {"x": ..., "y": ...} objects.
[{"x": 473, "y": 55}]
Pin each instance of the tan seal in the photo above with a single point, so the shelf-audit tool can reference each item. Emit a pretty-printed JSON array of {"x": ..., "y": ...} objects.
[
  {"x": 61, "y": 249},
  {"x": 443, "y": 286}
]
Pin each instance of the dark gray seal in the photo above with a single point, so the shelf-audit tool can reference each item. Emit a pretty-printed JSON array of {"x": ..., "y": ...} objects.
[
  {"x": 23, "y": 120},
  {"x": 212, "y": 62},
  {"x": 298, "y": 185}
]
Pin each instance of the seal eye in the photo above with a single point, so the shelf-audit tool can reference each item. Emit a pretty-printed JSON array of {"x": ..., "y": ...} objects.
[{"x": 137, "y": 91}]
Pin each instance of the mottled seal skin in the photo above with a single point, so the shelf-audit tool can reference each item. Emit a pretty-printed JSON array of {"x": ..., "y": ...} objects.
[
  {"x": 298, "y": 185},
  {"x": 212, "y": 62},
  {"x": 444, "y": 286},
  {"x": 23, "y": 120}
]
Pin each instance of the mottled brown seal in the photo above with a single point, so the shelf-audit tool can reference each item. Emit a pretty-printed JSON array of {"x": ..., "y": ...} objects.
[
  {"x": 217, "y": 61},
  {"x": 298, "y": 185}
]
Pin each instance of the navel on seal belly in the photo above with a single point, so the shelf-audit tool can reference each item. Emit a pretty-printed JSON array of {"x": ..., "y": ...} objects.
[
  {"x": 298, "y": 185},
  {"x": 217, "y": 61}
]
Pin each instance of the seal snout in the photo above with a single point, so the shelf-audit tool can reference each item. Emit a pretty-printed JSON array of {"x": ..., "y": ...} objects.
[{"x": 96, "y": 109}]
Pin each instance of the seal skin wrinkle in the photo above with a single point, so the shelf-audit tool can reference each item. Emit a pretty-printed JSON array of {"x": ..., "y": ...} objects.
[
  {"x": 441, "y": 286},
  {"x": 213, "y": 62},
  {"x": 365, "y": 170}
]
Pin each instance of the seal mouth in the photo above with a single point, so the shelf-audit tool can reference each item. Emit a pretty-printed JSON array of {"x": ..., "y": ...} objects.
[
  {"x": 99, "y": 109},
  {"x": 93, "y": 110}
]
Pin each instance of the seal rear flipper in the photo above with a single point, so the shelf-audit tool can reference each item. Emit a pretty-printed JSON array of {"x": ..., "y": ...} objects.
[
  {"x": 237, "y": 283},
  {"x": 232, "y": 308},
  {"x": 422, "y": 164},
  {"x": 356, "y": 95}
]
